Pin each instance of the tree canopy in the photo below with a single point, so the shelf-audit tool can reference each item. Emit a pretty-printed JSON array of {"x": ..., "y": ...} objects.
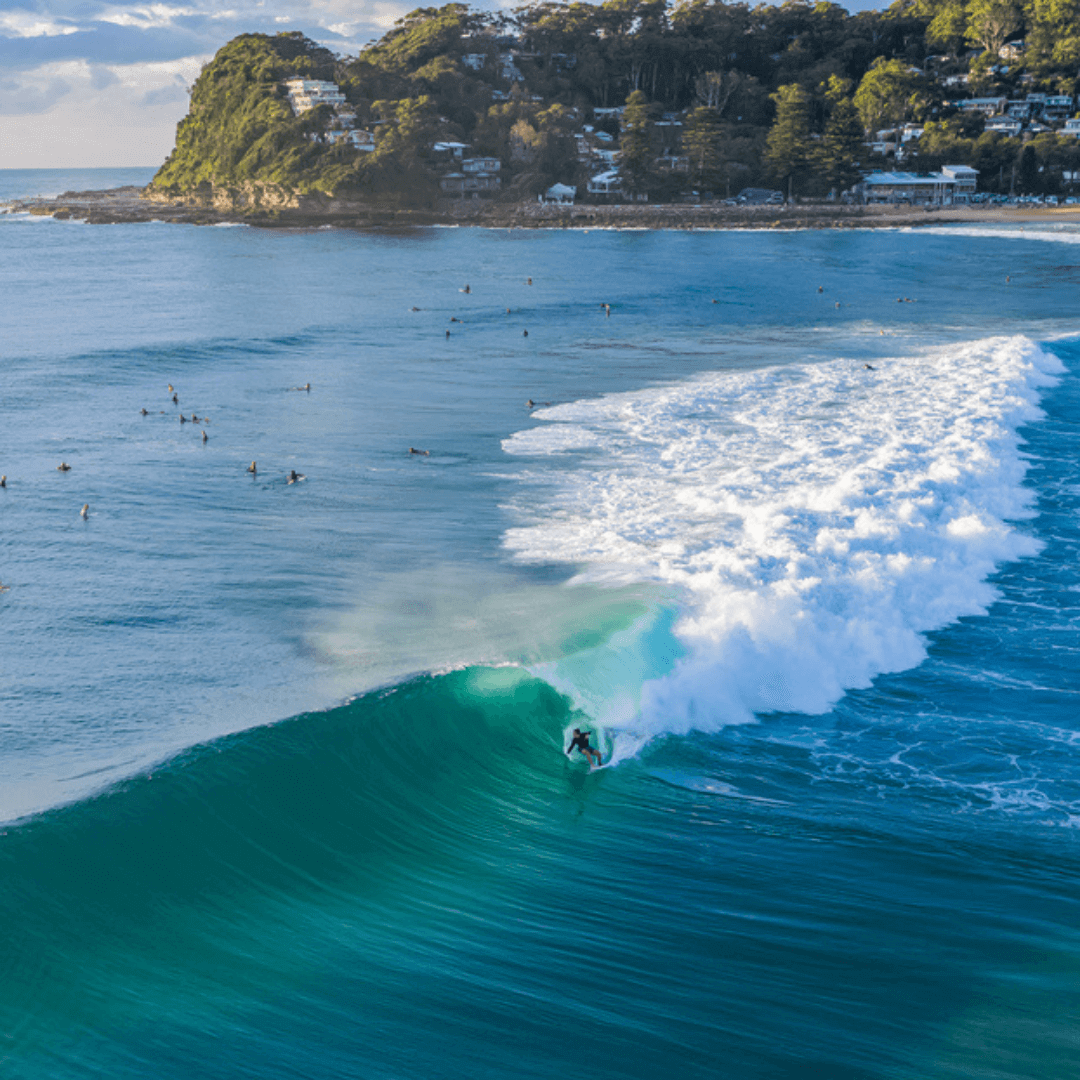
[{"x": 755, "y": 87}]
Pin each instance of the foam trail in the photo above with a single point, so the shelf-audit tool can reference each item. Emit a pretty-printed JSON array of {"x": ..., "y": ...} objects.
[
  {"x": 814, "y": 522},
  {"x": 990, "y": 232}
]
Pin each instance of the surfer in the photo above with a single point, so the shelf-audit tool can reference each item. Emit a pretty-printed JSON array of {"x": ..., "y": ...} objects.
[
  {"x": 84, "y": 513},
  {"x": 295, "y": 477},
  {"x": 3, "y": 481},
  {"x": 581, "y": 741},
  {"x": 252, "y": 469},
  {"x": 63, "y": 467},
  {"x": 204, "y": 436}
]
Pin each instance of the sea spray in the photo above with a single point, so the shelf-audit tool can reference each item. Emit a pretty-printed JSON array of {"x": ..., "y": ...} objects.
[{"x": 814, "y": 522}]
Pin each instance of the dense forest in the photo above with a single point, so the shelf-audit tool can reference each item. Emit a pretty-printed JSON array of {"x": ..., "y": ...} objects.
[{"x": 788, "y": 95}]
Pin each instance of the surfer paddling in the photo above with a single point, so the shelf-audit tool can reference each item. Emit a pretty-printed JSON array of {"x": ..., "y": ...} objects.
[{"x": 581, "y": 741}]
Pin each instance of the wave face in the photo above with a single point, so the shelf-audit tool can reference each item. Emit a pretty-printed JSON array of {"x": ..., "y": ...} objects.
[
  {"x": 269, "y": 863},
  {"x": 814, "y": 522}
]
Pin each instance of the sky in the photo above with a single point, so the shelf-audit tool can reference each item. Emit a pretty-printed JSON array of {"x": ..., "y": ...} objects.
[{"x": 96, "y": 83}]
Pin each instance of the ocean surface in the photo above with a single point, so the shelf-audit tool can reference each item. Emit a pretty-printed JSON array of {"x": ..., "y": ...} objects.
[{"x": 793, "y": 530}]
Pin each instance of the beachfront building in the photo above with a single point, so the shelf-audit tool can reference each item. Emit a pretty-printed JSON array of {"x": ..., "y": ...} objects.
[
  {"x": 931, "y": 188},
  {"x": 964, "y": 176},
  {"x": 305, "y": 94}
]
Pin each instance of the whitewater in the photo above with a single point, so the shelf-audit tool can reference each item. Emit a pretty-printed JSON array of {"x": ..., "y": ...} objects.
[
  {"x": 283, "y": 778},
  {"x": 813, "y": 520}
]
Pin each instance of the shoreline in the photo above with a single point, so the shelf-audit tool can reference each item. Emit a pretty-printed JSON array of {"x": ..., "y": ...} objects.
[{"x": 276, "y": 209}]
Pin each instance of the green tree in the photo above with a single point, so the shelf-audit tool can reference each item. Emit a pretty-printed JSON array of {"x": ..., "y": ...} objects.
[
  {"x": 703, "y": 142},
  {"x": 636, "y": 143},
  {"x": 1053, "y": 38},
  {"x": 991, "y": 23},
  {"x": 788, "y": 148},
  {"x": 837, "y": 153},
  {"x": 948, "y": 26},
  {"x": 889, "y": 91},
  {"x": 1027, "y": 170}
]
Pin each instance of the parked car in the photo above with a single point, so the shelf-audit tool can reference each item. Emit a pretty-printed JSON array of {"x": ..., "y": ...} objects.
[{"x": 753, "y": 196}]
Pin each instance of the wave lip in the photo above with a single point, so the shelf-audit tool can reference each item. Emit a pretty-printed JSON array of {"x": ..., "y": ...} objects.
[{"x": 814, "y": 521}]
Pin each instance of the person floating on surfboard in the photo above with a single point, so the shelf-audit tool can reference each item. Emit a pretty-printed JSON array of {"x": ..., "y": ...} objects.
[{"x": 581, "y": 741}]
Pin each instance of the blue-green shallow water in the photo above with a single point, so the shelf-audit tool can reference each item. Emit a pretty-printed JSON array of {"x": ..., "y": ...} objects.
[{"x": 416, "y": 882}]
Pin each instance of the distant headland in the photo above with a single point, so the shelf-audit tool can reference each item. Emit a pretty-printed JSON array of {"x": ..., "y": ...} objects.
[{"x": 642, "y": 113}]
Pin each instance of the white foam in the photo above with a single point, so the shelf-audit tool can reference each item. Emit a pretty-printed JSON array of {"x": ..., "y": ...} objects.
[
  {"x": 992, "y": 232},
  {"x": 812, "y": 522}
]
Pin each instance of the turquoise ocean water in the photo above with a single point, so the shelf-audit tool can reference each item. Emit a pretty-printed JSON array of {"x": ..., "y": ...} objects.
[{"x": 281, "y": 773}]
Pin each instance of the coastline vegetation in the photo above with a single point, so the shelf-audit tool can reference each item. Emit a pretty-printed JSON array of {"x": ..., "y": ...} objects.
[{"x": 714, "y": 97}]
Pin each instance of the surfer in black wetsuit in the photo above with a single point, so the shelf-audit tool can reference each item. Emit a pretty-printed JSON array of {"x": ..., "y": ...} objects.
[{"x": 581, "y": 741}]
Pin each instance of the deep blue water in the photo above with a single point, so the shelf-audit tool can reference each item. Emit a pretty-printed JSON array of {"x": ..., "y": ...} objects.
[{"x": 281, "y": 764}]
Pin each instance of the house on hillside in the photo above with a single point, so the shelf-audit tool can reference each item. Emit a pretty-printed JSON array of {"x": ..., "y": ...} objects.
[
  {"x": 449, "y": 149},
  {"x": 988, "y": 106},
  {"x": 459, "y": 183},
  {"x": 481, "y": 165},
  {"x": 305, "y": 94},
  {"x": 606, "y": 183},
  {"x": 1057, "y": 106}
]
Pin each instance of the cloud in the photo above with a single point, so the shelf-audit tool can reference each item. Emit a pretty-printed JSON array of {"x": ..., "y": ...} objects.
[
  {"x": 71, "y": 114},
  {"x": 28, "y": 24},
  {"x": 149, "y": 17}
]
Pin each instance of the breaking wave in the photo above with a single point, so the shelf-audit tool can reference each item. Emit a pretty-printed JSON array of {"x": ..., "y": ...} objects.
[{"x": 809, "y": 524}]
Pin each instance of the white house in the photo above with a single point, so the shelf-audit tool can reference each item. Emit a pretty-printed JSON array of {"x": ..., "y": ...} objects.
[
  {"x": 965, "y": 176},
  {"x": 1005, "y": 127},
  {"x": 1072, "y": 127},
  {"x": 305, "y": 94},
  {"x": 988, "y": 106},
  {"x": 454, "y": 149},
  {"x": 362, "y": 140},
  {"x": 563, "y": 194},
  {"x": 606, "y": 183},
  {"x": 481, "y": 165},
  {"x": 891, "y": 187},
  {"x": 474, "y": 60}
]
